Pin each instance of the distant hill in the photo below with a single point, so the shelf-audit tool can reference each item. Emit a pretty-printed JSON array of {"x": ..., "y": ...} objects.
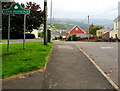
[{"x": 68, "y": 24}]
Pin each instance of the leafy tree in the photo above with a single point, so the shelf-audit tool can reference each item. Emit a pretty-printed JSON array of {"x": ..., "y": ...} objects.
[
  {"x": 33, "y": 20},
  {"x": 41, "y": 34},
  {"x": 94, "y": 28}
]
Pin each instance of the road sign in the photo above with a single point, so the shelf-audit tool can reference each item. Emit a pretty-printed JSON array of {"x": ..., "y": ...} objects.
[{"x": 16, "y": 9}]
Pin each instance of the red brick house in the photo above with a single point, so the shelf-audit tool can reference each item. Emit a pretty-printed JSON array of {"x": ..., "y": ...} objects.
[{"x": 76, "y": 30}]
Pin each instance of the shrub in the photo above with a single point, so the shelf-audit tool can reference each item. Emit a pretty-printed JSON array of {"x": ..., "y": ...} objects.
[
  {"x": 56, "y": 37},
  {"x": 30, "y": 36},
  {"x": 69, "y": 38},
  {"x": 41, "y": 35},
  {"x": 60, "y": 37},
  {"x": 74, "y": 37}
]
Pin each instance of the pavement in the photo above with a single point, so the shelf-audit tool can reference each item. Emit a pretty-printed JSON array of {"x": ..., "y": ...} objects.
[
  {"x": 68, "y": 68},
  {"x": 20, "y": 41}
]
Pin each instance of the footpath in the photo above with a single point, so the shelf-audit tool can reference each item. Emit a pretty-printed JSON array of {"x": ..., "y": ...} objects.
[{"x": 68, "y": 68}]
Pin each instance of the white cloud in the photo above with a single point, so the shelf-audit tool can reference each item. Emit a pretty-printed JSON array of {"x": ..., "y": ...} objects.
[{"x": 80, "y": 8}]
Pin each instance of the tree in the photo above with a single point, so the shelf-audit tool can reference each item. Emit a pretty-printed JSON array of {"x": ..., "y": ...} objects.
[
  {"x": 94, "y": 28},
  {"x": 33, "y": 20}
]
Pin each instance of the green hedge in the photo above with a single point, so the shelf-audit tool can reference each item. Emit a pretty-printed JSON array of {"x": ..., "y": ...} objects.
[
  {"x": 17, "y": 36},
  {"x": 30, "y": 36}
]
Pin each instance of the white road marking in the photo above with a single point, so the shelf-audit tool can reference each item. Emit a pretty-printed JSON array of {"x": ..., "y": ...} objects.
[
  {"x": 65, "y": 47},
  {"x": 106, "y": 47}
]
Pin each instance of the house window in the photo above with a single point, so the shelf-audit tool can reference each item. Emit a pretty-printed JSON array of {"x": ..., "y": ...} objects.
[
  {"x": 76, "y": 28},
  {"x": 116, "y": 25}
]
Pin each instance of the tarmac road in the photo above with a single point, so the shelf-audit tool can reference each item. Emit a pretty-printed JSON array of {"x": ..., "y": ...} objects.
[
  {"x": 68, "y": 68},
  {"x": 105, "y": 54}
]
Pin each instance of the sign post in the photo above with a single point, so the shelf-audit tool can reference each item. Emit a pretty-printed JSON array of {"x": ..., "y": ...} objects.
[
  {"x": 8, "y": 46},
  {"x": 16, "y": 9},
  {"x": 24, "y": 46}
]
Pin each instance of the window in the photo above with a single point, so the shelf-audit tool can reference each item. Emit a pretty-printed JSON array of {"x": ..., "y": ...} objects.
[
  {"x": 116, "y": 25},
  {"x": 76, "y": 28}
]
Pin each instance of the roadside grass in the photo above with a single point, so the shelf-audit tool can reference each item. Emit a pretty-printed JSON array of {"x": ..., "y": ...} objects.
[{"x": 20, "y": 61}]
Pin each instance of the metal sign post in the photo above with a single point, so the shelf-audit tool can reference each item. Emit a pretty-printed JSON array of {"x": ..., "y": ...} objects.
[
  {"x": 16, "y": 9},
  {"x": 8, "y": 46},
  {"x": 24, "y": 46}
]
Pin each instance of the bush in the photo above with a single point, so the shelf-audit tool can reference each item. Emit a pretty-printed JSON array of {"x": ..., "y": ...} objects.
[
  {"x": 56, "y": 37},
  {"x": 69, "y": 38},
  {"x": 13, "y": 35},
  {"x": 60, "y": 37},
  {"x": 41, "y": 35},
  {"x": 74, "y": 37},
  {"x": 30, "y": 36}
]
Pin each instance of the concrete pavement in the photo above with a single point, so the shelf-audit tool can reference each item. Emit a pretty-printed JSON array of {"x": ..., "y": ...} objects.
[
  {"x": 20, "y": 41},
  {"x": 68, "y": 68}
]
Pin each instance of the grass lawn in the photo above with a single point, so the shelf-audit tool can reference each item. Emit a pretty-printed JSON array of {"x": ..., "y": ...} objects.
[{"x": 19, "y": 61}]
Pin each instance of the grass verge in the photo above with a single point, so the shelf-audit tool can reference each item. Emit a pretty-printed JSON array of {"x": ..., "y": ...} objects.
[{"x": 20, "y": 61}]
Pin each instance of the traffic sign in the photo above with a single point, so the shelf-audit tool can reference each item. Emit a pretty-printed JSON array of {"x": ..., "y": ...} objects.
[{"x": 16, "y": 9}]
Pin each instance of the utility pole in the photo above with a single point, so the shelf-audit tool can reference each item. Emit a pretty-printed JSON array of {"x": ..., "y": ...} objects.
[
  {"x": 45, "y": 22},
  {"x": 88, "y": 29}
]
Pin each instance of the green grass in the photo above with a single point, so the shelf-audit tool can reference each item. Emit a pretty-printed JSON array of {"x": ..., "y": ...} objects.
[{"x": 19, "y": 61}]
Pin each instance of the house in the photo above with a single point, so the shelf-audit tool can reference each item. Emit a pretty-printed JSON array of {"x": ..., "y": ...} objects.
[
  {"x": 55, "y": 33},
  {"x": 116, "y": 32},
  {"x": 35, "y": 32},
  {"x": 64, "y": 34},
  {"x": 104, "y": 33},
  {"x": 79, "y": 32},
  {"x": 76, "y": 30},
  {"x": 85, "y": 35}
]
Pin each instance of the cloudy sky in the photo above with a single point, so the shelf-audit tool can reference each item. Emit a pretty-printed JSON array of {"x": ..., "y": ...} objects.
[{"x": 105, "y": 9}]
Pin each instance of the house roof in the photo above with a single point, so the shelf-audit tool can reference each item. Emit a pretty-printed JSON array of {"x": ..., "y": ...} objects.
[
  {"x": 56, "y": 33},
  {"x": 105, "y": 30},
  {"x": 117, "y": 19},
  {"x": 77, "y": 30},
  {"x": 84, "y": 35},
  {"x": 64, "y": 33}
]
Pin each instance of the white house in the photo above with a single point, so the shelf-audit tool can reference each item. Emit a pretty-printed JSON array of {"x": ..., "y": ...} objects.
[{"x": 116, "y": 32}]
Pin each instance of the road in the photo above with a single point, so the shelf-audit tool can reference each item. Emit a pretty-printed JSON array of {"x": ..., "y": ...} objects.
[
  {"x": 105, "y": 56},
  {"x": 68, "y": 68}
]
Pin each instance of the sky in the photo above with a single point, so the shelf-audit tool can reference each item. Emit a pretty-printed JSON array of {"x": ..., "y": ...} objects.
[{"x": 79, "y": 9}]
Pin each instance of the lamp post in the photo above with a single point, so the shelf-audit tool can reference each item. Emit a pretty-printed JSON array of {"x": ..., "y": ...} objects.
[
  {"x": 88, "y": 29},
  {"x": 45, "y": 22}
]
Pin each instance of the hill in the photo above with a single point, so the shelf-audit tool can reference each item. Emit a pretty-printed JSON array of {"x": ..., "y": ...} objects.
[{"x": 68, "y": 24}]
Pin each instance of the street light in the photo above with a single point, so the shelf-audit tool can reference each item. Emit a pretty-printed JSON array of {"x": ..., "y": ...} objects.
[
  {"x": 45, "y": 22},
  {"x": 88, "y": 29}
]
